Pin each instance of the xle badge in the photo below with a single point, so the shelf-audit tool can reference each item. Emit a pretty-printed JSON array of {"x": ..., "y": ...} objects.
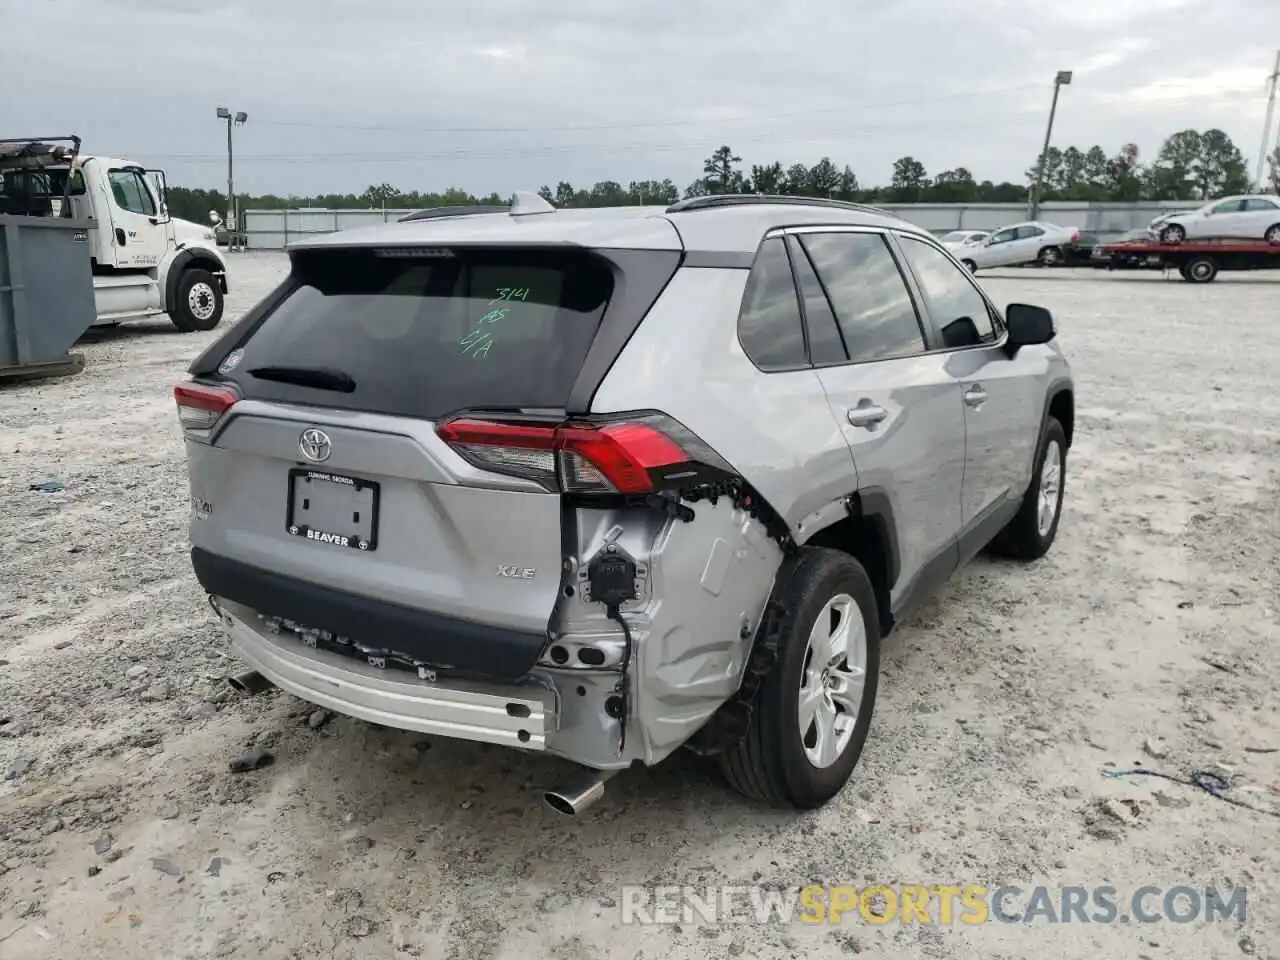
[{"x": 516, "y": 573}]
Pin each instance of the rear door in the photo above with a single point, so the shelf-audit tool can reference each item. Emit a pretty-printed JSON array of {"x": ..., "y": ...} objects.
[
  {"x": 1260, "y": 214},
  {"x": 330, "y": 471},
  {"x": 899, "y": 407},
  {"x": 1001, "y": 402}
]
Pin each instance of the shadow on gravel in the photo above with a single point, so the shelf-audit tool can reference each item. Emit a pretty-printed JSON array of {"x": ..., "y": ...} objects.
[{"x": 127, "y": 331}]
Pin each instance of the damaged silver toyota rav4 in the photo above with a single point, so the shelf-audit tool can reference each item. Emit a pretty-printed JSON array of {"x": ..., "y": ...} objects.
[{"x": 605, "y": 483}]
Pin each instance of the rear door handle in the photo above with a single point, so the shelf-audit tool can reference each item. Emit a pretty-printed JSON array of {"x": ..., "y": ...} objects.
[
  {"x": 866, "y": 414},
  {"x": 975, "y": 396}
]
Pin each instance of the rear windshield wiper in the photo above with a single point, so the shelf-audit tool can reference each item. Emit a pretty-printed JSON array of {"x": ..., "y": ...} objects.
[{"x": 322, "y": 378}]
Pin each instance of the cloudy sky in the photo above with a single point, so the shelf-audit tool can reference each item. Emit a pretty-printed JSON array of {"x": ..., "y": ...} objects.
[{"x": 511, "y": 94}]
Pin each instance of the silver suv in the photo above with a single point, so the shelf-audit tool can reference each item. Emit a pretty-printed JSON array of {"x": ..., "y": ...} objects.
[{"x": 605, "y": 483}]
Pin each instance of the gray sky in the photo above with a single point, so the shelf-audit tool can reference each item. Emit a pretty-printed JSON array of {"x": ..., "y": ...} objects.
[{"x": 511, "y": 94}]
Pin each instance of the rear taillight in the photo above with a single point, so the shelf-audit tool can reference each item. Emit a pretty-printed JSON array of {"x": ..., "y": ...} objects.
[
  {"x": 632, "y": 456},
  {"x": 200, "y": 407}
]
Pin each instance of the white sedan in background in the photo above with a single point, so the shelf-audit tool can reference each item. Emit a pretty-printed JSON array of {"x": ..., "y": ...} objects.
[
  {"x": 1252, "y": 217},
  {"x": 962, "y": 238},
  {"x": 1012, "y": 246}
]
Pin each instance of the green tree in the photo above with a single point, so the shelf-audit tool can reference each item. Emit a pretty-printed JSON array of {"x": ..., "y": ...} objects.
[
  {"x": 910, "y": 180},
  {"x": 848, "y": 188},
  {"x": 720, "y": 170},
  {"x": 954, "y": 186},
  {"x": 797, "y": 180},
  {"x": 565, "y": 194},
  {"x": 1273, "y": 170},
  {"x": 824, "y": 178},
  {"x": 1222, "y": 169},
  {"x": 767, "y": 179}
]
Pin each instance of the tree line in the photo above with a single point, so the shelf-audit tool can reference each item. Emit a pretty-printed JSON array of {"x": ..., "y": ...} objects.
[{"x": 1191, "y": 165}]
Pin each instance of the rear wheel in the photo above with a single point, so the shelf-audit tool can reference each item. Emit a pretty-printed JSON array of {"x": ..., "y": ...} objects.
[
  {"x": 970, "y": 266},
  {"x": 1272, "y": 236},
  {"x": 1049, "y": 257},
  {"x": 813, "y": 711},
  {"x": 1173, "y": 233},
  {"x": 1200, "y": 270},
  {"x": 198, "y": 304}
]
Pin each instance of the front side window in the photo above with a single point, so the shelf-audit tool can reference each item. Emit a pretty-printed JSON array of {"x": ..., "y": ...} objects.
[
  {"x": 868, "y": 294},
  {"x": 1227, "y": 206},
  {"x": 769, "y": 325},
  {"x": 131, "y": 193},
  {"x": 957, "y": 307}
]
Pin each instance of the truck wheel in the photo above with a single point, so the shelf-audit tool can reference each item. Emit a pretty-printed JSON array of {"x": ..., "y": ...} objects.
[
  {"x": 813, "y": 710},
  {"x": 1200, "y": 270},
  {"x": 1033, "y": 528},
  {"x": 198, "y": 305}
]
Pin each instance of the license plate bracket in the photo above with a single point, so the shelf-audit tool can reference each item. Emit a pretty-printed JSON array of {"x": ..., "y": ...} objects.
[{"x": 333, "y": 509}]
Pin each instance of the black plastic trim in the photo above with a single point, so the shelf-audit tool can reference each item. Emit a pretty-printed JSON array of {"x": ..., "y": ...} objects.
[
  {"x": 874, "y": 504},
  {"x": 983, "y": 530},
  {"x": 720, "y": 259},
  {"x": 458, "y": 646}
]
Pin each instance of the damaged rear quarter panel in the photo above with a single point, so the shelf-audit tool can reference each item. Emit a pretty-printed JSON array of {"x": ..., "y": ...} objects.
[{"x": 704, "y": 586}]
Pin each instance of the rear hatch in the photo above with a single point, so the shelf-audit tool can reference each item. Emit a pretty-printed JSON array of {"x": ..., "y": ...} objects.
[{"x": 322, "y": 491}]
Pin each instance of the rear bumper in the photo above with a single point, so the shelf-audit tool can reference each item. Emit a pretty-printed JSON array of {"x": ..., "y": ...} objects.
[
  {"x": 444, "y": 642},
  {"x": 519, "y": 717}
]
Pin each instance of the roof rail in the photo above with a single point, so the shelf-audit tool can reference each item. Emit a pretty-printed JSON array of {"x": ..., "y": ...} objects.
[
  {"x": 745, "y": 199},
  {"x": 458, "y": 210},
  {"x": 526, "y": 203}
]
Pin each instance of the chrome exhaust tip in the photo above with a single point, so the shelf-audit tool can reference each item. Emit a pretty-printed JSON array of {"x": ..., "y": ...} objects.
[
  {"x": 579, "y": 793},
  {"x": 250, "y": 683}
]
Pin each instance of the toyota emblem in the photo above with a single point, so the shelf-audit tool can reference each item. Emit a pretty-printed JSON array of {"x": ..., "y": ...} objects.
[{"x": 315, "y": 445}]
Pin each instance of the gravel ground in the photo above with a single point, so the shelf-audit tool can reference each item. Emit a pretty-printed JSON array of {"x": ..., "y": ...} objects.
[{"x": 1147, "y": 637}]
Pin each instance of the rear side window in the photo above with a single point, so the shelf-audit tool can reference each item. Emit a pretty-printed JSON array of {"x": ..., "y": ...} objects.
[
  {"x": 872, "y": 304},
  {"x": 825, "y": 343},
  {"x": 769, "y": 326},
  {"x": 428, "y": 336}
]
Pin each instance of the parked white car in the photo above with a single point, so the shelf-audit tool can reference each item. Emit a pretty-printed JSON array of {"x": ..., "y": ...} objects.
[
  {"x": 1031, "y": 242},
  {"x": 963, "y": 238},
  {"x": 1250, "y": 217}
]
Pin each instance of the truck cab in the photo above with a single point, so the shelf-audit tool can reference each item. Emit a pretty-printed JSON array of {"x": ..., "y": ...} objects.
[{"x": 145, "y": 262}]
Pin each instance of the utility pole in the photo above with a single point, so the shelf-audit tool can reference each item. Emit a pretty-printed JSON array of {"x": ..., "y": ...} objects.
[
  {"x": 1061, "y": 80},
  {"x": 1266, "y": 124},
  {"x": 237, "y": 119}
]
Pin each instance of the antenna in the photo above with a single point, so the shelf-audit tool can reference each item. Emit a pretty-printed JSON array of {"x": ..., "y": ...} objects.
[{"x": 525, "y": 203}]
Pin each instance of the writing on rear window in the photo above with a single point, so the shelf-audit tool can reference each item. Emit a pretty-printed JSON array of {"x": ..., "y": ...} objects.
[{"x": 477, "y": 343}]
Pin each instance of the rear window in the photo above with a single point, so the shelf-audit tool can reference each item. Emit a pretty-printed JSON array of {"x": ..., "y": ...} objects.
[{"x": 427, "y": 335}]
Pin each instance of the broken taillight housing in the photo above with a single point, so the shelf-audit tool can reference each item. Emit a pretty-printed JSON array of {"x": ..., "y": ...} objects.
[
  {"x": 638, "y": 454},
  {"x": 200, "y": 406}
]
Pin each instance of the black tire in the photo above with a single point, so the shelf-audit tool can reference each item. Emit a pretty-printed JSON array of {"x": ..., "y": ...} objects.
[
  {"x": 769, "y": 763},
  {"x": 1022, "y": 538},
  {"x": 1200, "y": 270},
  {"x": 1173, "y": 233},
  {"x": 970, "y": 266},
  {"x": 198, "y": 303},
  {"x": 1272, "y": 236},
  {"x": 1049, "y": 257}
]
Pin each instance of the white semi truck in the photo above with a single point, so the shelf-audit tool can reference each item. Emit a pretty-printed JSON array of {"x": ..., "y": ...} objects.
[{"x": 145, "y": 262}]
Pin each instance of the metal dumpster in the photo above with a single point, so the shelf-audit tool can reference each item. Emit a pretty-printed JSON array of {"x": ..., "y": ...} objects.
[{"x": 46, "y": 295}]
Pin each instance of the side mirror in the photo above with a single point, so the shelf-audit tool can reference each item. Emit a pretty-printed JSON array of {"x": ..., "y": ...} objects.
[
  {"x": 1028, "y": 325},
  {"x": 214, "y": 218}
]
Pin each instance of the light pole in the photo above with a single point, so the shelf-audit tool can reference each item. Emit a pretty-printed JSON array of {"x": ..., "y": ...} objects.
[
  {"x": 237, "y": 119},
  {"x": 1061, "y": 80}
]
